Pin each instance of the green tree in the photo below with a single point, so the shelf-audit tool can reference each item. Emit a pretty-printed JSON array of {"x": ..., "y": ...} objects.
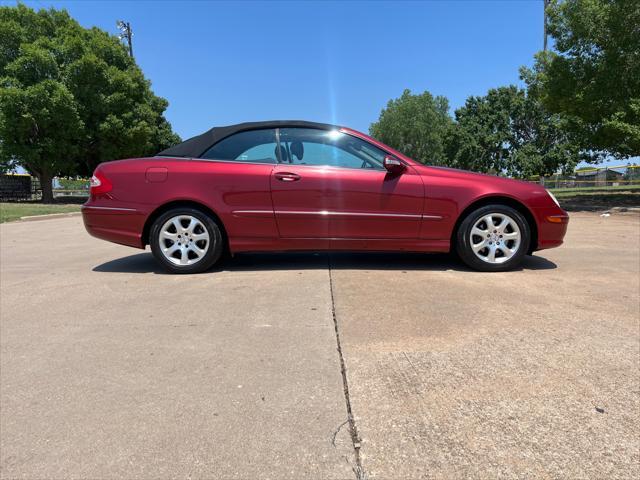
[
  {"x": 415, "y": 125},
  {"x": 508, "y": 131},
  {"x": 7, "y": 163},
  {"x": 71, "y": 97},
  {"x": 593, "y": 77}
]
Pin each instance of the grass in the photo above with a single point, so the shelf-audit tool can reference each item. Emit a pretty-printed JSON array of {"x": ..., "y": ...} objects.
[
  {"x": 13, "y": 211},
  {"x": 599, "y": 201},
  {"x": 565, "y": 192},
  {"x": 598, "y": 198}
]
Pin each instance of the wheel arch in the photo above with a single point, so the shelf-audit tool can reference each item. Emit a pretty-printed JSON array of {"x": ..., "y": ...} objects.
[
  {"x": 177, "y": 204},
  {"x": 499, "y": 200}
]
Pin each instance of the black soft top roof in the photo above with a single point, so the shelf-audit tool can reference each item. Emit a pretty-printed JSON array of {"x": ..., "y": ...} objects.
[{"x": 196, "y": 146}]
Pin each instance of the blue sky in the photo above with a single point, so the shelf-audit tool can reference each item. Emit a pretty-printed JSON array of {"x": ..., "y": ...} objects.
[{"x": 339, "y": 62}]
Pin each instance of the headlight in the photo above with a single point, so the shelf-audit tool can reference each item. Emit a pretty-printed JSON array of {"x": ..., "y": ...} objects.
[{"x": 553, "y": 197}]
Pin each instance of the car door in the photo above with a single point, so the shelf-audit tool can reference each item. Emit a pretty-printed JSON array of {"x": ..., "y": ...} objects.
[
  {"x": 333, "y": 185},
  {"x": 301, "y": 201},
  {"x": 238, "y": 183}
]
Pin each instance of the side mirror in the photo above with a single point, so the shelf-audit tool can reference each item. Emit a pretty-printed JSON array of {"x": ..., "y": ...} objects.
[{"x": 393, "y": 165}]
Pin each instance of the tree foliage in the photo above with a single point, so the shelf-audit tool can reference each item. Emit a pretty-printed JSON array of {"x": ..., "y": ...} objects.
[
  {"x": 416, "y": 126},
  {"x": 582, "y": 102},
  {"x": 508, "y": 131},
  {"x": 593, "y": 78},
  {"x": 71, "y": 97}
]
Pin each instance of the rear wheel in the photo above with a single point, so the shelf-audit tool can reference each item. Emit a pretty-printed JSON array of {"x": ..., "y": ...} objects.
[
  {"x": 186, "y": 240},
  {"x": 493, "y": 238}
]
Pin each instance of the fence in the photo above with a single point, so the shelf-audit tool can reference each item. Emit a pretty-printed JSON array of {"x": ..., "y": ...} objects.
[
  {"x": 23, "y": 187},
  {"x": 620, "y": 177},
  {"x": 71, "y": 187},
  {"x": 15, "y": 188}
]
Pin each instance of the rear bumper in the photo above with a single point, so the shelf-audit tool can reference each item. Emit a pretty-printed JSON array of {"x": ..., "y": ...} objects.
[
  {"x": 114, "y": 224},
  {"x": 552, "y": 227}
]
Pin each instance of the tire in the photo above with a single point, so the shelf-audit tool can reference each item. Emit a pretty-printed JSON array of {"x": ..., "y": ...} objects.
[
  {"x": 476, "y": 239},
  {"x": 186, "y": 240}
]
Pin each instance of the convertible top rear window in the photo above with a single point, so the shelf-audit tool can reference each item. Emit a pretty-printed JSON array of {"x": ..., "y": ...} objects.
[{"x": 257, "y": 146}]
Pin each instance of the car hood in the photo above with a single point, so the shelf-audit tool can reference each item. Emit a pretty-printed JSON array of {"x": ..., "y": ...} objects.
[{"x": 479, "y": 177}]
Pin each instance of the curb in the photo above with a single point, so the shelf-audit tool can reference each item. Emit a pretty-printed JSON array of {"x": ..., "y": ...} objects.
[
  {"x": 50, "y": 216},
  {"x": 601, "y": 209},
  {"x": 626, "y": 209}
]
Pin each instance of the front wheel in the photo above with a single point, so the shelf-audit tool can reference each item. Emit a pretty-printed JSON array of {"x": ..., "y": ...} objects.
[
  {"x": 493, "y": 238},
  {"x": 186, "y": 240}
]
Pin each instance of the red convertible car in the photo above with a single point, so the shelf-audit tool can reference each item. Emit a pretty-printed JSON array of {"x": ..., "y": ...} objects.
[{"x": 295, "y": 185}]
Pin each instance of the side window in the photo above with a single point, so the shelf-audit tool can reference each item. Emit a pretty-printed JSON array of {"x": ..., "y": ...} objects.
[
  {"x": 257, "y": 146},
  {"x": 308, "y": 146}
]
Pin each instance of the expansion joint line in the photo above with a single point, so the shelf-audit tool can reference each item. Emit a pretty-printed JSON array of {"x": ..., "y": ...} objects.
[{"x": 355, "y": 438}]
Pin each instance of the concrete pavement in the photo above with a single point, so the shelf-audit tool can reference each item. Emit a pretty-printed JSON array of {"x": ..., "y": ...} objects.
[
  {"x": 112, "y": 370},
  {"x": 533, "y": 373},
  {"x": 127, "y": 374}
]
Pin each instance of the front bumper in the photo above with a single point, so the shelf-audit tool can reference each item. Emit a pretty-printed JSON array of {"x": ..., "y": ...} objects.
[{"x": 552, "y": 227}]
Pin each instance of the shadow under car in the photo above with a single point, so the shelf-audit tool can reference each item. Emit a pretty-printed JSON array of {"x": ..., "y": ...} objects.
[{"x": 145, "y": 263}]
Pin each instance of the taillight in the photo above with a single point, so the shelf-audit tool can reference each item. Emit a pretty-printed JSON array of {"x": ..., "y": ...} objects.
[{"x": 99, "y": 184}]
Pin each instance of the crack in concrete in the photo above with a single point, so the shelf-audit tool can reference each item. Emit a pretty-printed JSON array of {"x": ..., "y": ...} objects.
[
  {"x": 355, "y": 438},
  {"x": 335, "y": 434}
]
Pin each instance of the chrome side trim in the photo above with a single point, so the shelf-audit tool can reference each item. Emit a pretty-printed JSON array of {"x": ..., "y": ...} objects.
[
  {"x": 337, "y": 214},
  {"x": 84, "y": 207},
  {"x": 209, "y": 160},
  {"x": 252, "y": 211},
  {"x": 347, "y": 214}
]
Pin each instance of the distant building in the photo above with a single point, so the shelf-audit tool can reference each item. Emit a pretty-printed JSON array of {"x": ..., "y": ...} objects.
[{"x": 597, "y": 178}]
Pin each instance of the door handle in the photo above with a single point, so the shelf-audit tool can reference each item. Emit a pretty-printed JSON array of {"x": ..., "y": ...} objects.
[{"x": 287, "y": 177}]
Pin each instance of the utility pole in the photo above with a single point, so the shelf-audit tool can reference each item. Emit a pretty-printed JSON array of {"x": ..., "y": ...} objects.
[
  {"x": 125, "y": 28},
  {"x": 545, "y": 3}
]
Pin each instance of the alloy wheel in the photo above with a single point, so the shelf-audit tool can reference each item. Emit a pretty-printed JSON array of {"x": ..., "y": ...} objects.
[
  {"x": 495, "y": 238},
  {"x": 184, "y": 240}
]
